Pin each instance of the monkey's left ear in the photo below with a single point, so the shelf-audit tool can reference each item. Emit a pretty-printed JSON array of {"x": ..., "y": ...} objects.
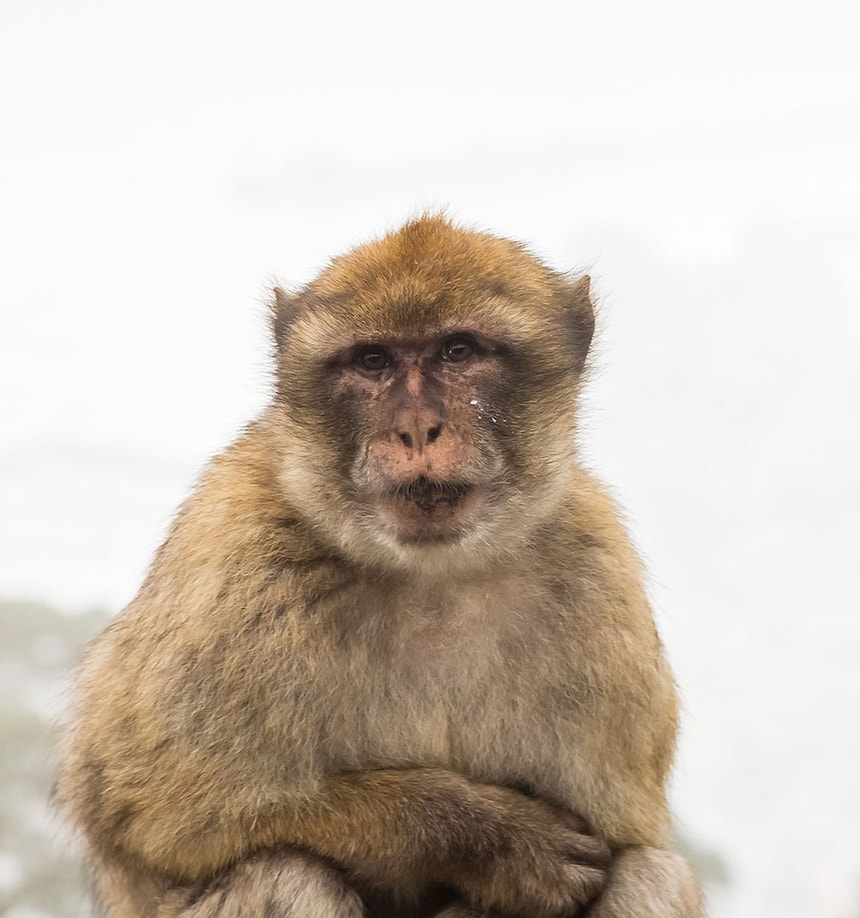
[
  {"x": 580, "y": 312},
  {"x": 282, "y": 312}
]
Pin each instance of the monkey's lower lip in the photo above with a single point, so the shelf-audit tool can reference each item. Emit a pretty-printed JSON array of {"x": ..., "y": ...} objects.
[
  {"x": 427, "y": 494},
  {"x": 428, "y": 511}
]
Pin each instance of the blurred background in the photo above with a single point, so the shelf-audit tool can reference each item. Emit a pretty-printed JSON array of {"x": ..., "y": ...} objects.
[{"x": 161, "y": 164}]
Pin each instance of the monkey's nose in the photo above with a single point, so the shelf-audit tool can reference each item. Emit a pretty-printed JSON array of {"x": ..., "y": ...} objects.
[{"x": 418, "y": 429}]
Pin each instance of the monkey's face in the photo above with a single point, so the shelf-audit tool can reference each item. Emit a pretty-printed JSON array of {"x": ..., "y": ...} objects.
[
  {"x": 430, "y": 394},
  {"x": 427, "y": 445}
]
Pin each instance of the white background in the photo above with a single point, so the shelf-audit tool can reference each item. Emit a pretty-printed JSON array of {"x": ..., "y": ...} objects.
[{"x": 162, "y": 162}]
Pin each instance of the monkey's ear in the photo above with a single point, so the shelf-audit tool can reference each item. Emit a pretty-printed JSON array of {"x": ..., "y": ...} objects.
[
  {"x": 580, "y": 313},
  {"x": 282, "y": 311}
]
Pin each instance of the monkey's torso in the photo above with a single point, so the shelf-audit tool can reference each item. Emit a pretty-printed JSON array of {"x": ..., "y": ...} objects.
[{"x": 252, "y": 659}]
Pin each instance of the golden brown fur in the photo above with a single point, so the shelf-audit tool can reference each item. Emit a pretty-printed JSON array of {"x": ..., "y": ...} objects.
[{"x": 325, "y": 692}]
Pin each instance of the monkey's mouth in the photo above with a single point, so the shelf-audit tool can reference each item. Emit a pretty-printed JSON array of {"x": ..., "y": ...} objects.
[
  {"x": 428, "y": 495},
  {"x": 424, "y": 511}
]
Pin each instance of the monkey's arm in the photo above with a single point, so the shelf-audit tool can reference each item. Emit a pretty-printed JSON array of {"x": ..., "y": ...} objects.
[
  {"x": 400, "y": 830},
  {"x": 620, "y": 751},
  {"x": 627, "y": 807}
]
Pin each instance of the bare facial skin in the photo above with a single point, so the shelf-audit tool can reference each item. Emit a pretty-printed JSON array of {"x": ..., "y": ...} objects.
[
  {"x": 394, "y": 658},
  {"x": 426, "y": 472}
]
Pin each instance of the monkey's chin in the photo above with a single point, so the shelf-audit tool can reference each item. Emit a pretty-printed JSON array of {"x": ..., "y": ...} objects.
[{"x": 429, "y": 520}]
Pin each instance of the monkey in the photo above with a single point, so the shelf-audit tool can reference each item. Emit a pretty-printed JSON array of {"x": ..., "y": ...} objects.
[{"x": 395, "y": 657}]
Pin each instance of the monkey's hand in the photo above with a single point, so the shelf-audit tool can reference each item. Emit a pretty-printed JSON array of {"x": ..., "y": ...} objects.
[{"x": 531, "y": 858}]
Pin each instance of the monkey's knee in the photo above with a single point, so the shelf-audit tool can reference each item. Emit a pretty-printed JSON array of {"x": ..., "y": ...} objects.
[
  {"x": 650, "y": 883},
  {"x": 288, "y": 884}
]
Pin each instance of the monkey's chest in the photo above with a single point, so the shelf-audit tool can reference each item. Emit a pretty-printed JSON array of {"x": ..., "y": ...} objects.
[{"x": 482, "y": 701}]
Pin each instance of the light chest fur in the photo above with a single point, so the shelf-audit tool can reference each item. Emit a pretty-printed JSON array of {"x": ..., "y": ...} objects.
[{"x": 481, "y": 678}]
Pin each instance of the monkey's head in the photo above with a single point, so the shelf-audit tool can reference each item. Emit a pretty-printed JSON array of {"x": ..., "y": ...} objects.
[{"x": 426, "y": 388}]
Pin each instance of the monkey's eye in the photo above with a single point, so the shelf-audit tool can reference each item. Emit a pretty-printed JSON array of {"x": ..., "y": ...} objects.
[
  {"x": 373, "y": 358},
  {"x": 458, "y": 348}
]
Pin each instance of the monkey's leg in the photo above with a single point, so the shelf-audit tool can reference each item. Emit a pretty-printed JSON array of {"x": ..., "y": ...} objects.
[
  {"x": 650, "y": 883},
  {"x": 283, "y": 884}
]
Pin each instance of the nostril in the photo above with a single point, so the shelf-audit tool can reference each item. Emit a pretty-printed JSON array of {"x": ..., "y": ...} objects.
[
  {"x": 433, "y": 433},
  {"x": 406, "y": 440}
]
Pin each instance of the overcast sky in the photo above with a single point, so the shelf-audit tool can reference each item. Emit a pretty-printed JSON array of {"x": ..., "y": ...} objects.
[{"x": 162, "y": 163}]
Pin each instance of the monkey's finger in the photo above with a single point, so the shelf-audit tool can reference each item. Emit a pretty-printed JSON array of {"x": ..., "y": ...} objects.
[
  {"x": 588, "y": 882},
  {"x": 575, "y": 823},
  {"x": 589, "y": 850}
]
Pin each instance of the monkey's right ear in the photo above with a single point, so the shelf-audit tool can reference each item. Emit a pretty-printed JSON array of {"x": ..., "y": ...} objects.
[{"x": 282, "y": 312}]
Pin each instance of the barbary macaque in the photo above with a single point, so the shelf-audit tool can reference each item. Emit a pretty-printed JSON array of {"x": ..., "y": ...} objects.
[{"x": 395, "y": 656}]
